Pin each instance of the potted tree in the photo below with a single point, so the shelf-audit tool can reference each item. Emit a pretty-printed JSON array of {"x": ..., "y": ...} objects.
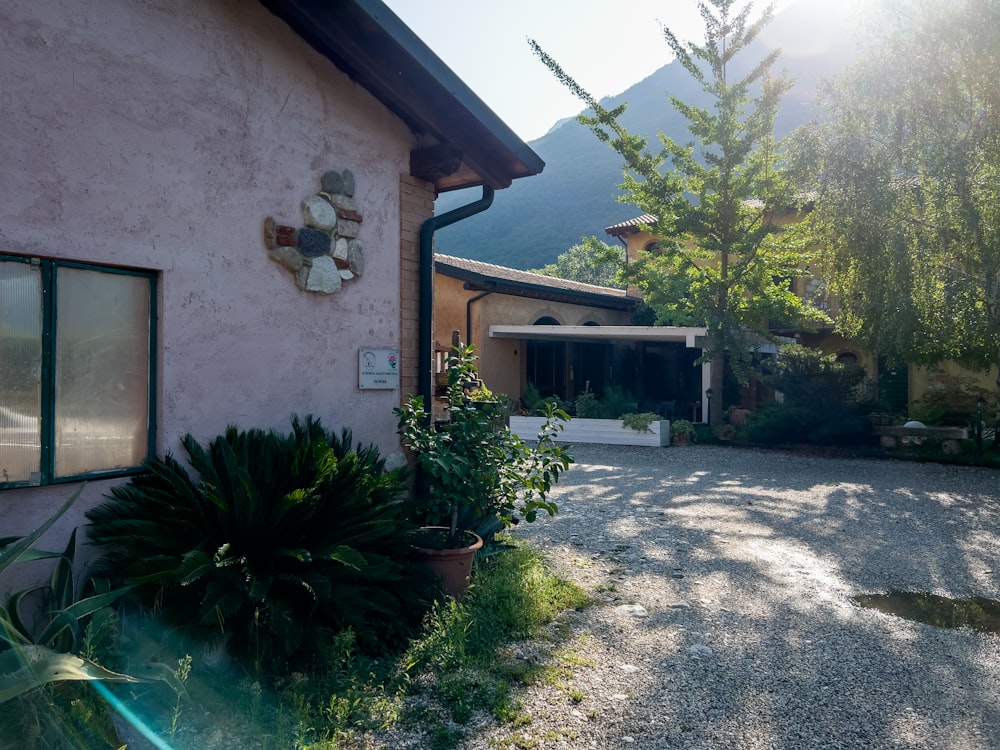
[
  {"x": 474, "y": 474},
  {"x": 681, "y": 432}
]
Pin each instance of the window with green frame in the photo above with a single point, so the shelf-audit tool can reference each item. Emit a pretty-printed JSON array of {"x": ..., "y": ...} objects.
[{"x": 77, "y": 370}]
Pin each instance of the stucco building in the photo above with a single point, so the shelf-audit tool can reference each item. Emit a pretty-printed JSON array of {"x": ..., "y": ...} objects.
[
  {"x": 210, "y": 210},
  {"x": 899, "y": 385},
  {"x": 562, "y": 336}
]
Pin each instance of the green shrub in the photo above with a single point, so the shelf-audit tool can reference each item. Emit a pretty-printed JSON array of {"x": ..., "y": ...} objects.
[
  {"x": 725, "y": 431},
  {"x": 477, "y": 472},
  {"x": 841, "y": 429},
  {"x": 951, "y": 400},
  {"x": 820, "y": 401},
  {"x": 640, "y": 421},
  {"x": 702, "y": 432},
  {"x": 536, "y": 405},
  {"x": 618, "y": 401},
  {"x": 779, "y": 423},
  {"x": 588, "y": 406},
  {"x": 282, "y": 539}
]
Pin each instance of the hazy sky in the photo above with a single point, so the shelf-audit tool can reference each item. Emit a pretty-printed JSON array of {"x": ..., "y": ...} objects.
[{"x": 606, "y": 46}]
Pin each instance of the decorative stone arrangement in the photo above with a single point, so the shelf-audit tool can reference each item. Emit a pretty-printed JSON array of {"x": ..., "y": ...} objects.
[{"x": 326, "y": 251}]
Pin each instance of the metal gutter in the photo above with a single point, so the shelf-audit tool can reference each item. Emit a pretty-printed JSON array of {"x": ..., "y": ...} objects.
[
  {"x": 468, "y": 313},
  {"x": 426, "y": 308}
]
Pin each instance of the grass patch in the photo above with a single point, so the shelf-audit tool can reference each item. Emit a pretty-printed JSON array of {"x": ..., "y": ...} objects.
[
  {"x": 463, "y": 663},
  {"x": 460, "y": 656}
]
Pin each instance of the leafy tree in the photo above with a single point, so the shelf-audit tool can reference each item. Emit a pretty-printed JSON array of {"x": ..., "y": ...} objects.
[
  {"x": 590, "y": 262},
  {"x": 819, "y": 400},
  {"x": 722, "y": 262},
  {"x": 905, "y": 152}
]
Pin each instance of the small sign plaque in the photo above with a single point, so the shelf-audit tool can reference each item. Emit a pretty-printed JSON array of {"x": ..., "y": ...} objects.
[{"x": 378, "y": 368}]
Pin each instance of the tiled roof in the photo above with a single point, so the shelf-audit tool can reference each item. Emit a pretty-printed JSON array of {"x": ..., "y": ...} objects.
[
  {"x": 629, "y": 226},
  {"x": 510, "y": 279},
  {"x": 632, "y": 225}
]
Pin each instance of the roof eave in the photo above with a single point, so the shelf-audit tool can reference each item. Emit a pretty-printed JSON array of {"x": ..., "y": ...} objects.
[
  {"x": 484, "y": 283},
  {"x": 377, "y": 50}
]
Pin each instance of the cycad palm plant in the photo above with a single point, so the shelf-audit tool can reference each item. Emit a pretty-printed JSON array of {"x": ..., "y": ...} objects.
[{"x": 283, "y": 537}]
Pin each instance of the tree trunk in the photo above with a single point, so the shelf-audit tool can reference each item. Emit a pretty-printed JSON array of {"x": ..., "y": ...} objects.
[
  {"x": 996, "y": 416},
  {"x": 716, "y": 383},
  {"x": 718, "y": 377}
]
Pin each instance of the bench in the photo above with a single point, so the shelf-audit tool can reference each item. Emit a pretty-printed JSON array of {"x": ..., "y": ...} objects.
[{"x": 950, "y": 437}]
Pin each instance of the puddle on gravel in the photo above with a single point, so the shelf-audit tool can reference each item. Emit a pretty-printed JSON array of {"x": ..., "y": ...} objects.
[{"x": 978, "y": 613}]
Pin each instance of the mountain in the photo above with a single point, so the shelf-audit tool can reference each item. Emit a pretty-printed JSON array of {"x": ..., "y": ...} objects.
[{"x": 537, "y": 218}]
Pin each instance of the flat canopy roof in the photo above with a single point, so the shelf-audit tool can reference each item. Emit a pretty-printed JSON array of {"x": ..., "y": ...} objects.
[
  {"x": 689, "y": 336},
  {"x": 692, "y": 337}
]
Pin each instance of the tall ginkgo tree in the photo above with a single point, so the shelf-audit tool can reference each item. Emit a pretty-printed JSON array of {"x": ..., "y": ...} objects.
[{"x": 721, "y": 261}]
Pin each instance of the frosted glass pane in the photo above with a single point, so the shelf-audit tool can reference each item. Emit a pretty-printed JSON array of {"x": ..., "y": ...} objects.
[
  {"x": 102, "y": 371},
  {"x": 20, "y": 371}
]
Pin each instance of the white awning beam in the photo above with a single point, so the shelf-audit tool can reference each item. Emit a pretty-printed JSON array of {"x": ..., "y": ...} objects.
[{"x": 691, "y": 337}]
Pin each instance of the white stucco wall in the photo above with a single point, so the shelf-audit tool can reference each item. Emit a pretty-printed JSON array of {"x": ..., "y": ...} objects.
[{"x": 159, "y": 134}]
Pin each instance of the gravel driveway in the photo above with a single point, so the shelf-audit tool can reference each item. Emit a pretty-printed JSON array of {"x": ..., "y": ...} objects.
[{"x": 724, "y": 579}]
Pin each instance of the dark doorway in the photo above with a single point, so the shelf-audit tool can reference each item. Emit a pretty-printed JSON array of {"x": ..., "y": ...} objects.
[
  {"x": 591, "y": 364},
  {"x": 894, "y": 384},
  {"x": 668, "y": 377},
  {"x": 546, "y": 363}
]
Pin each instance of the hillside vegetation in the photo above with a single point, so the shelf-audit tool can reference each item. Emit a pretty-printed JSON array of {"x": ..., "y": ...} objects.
[{"x": 536, "y": 219}]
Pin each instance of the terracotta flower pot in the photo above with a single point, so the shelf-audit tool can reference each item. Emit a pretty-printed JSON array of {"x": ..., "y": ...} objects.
[{"x": 451, "y": 566}]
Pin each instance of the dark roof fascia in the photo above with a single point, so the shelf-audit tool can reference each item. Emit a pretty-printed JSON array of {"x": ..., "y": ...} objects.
[
  {"x": 486, "y": 283},
  {"x": 376, "y": 49}
]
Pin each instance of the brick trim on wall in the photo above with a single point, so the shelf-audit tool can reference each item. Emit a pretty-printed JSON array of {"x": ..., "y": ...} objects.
[{"x": 416, "y": 205}]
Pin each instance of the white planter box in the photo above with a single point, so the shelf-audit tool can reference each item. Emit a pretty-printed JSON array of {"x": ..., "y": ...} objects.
[{"x": 606, "y": 431}]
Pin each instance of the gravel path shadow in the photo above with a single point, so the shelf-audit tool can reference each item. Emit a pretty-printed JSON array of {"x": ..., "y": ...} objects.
[{"x": 724, "y": 579}]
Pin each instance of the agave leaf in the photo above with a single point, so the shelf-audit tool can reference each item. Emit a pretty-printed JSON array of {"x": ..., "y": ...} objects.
[
  {"x": 12, "y": 614},
  {"x": 62, "y": 633},
  {"x": 16, "y": 550},
  {"x": 9, "y": 631},
  {"x": 158, "y": 671},
  {"x": 62, "y": 585},
  {"x": 28, "y": 667},
  {"x": 34, "y": 554},
  {"x": 70, "y": 616}
]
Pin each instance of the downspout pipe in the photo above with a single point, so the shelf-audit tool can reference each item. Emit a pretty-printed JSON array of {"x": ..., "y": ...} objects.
[
  {"x": 468, "y": 314},
  {"x": 426, "y": 307}
]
